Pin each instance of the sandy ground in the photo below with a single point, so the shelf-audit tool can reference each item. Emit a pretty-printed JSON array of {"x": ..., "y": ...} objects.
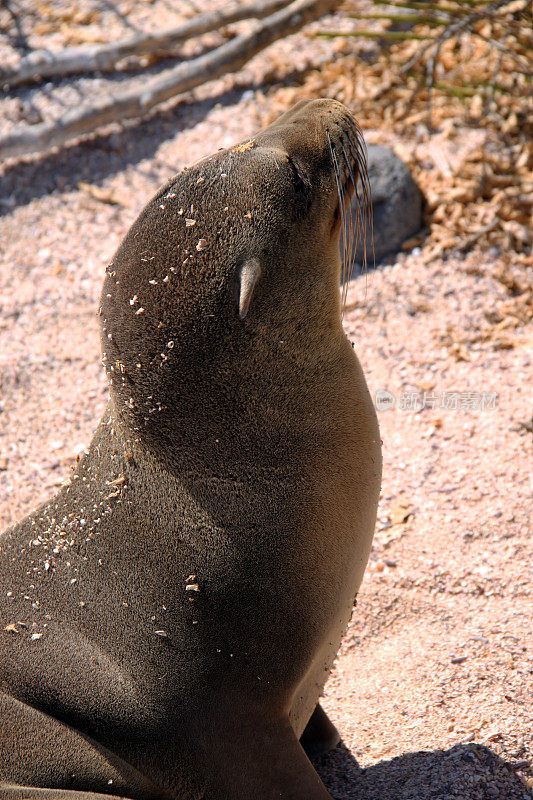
[{"x": 432, "y": 690}]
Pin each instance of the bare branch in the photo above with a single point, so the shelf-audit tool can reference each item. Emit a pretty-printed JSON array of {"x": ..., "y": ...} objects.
[
  {"x": 467, "y": 244},
  {"x": 393, "y": 36},
  {"x": 447, "y": 33},
  {"x": 520, "y": 60},
  {"x": 137, "y": 102},
  {"x": 43, "y": 64},
  {"x": 451, "y": 30}
]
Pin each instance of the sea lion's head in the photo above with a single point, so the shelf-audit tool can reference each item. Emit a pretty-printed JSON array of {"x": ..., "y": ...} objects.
[{"x": 232, "y": 256}]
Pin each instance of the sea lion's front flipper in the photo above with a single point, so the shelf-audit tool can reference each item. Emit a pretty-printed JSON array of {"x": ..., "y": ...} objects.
[{"x": 320, "y": 734}]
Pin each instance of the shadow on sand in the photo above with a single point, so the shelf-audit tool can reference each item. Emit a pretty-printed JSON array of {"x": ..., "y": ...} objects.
[
  {"x": 97, "y": 158},
  {"x": 464, "y": 772},
  {"x": 101, "y": 156}
]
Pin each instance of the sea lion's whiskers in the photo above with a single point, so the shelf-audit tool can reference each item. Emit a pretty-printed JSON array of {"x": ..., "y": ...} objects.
[
  {"x": 364, "y": 215},
  {"x": 342, "y": 212},
  {"x": 368, "y": 218},
  {"x": 348, "y": 260},
  {"x": 356, "y": 230},
  {"x": 338, "y": 181},
  {"x": 354, "y": 220}
]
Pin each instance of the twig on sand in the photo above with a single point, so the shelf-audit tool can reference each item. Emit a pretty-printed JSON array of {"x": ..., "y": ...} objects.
[
  {"x": 138, "y": 101},
  {"x": 43, "y": 64},
  {"x": 467, "y": 244}
]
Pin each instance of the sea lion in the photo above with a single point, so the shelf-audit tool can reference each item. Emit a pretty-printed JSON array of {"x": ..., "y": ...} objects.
[{"x": 170, "y": 617}]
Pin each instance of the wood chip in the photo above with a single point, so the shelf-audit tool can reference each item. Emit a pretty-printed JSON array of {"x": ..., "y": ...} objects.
[
  {"x": 12, "y": 628},
  {"x": 102, "y": 195},
  {"x": 401, "y": 512}
]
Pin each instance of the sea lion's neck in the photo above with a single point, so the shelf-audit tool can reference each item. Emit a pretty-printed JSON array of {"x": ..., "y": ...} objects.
[
  {"x": 244, "y": 435},
  {"x": 238, "y": 404}
]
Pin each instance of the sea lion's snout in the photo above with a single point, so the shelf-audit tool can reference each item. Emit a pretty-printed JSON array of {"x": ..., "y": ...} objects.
[{"x": 325, "y": 150}]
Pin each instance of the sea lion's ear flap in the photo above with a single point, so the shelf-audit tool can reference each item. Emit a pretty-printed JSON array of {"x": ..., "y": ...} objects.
[{"x": 249, "y": 275}]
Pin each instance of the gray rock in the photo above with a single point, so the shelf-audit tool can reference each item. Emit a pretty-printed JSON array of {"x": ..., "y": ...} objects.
[{"x": 396, "y": 205}]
